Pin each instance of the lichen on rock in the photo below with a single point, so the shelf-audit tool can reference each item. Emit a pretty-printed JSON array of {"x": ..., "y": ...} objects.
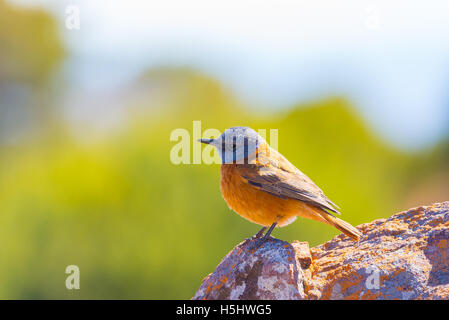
[{"x": 403, "y": 257}]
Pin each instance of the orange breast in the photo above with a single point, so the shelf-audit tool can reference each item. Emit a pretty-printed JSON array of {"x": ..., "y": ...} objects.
[{"x": 255, "y": 205}]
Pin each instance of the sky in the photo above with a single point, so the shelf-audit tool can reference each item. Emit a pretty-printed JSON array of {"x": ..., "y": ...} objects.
[{"x": 391, "y": 58}]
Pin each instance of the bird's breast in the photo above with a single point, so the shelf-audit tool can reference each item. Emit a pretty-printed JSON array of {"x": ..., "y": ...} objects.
[{"x": 251, "y": 203}]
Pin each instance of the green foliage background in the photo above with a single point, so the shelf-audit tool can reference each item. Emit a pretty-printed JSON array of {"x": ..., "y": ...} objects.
[{"x": 139, "y": 226}]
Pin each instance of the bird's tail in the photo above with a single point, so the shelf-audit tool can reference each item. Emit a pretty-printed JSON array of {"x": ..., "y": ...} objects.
[{"x": 343, "y": 226}]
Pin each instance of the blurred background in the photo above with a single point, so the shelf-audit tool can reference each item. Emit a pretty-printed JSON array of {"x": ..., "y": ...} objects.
[{"x": 90, "y": 92}]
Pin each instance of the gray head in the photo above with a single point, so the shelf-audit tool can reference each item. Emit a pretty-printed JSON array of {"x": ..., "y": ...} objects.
[{"x": 235, "y": 144}]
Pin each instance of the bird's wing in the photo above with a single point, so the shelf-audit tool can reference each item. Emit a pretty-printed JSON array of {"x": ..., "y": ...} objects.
[{"x": 274, "y": 174}]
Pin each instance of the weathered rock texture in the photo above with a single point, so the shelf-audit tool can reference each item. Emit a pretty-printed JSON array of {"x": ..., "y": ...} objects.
[{"x": 403, "y": 257}]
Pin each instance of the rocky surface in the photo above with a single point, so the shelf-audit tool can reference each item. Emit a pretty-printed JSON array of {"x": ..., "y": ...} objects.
[{"x": 403, "y": 257}]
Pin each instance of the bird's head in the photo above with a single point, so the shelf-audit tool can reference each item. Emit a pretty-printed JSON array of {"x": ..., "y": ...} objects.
[{"x": 235, "y": 144}]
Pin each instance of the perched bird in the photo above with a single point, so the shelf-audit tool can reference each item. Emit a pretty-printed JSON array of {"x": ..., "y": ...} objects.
[{"x": 262, "y": 186}]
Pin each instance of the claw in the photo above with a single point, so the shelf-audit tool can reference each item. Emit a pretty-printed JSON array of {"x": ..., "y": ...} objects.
[{"x": 260, "y": 233}]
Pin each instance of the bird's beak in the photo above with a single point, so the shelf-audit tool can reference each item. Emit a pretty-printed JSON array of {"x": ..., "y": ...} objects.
[{"x": 206, "y": 141}]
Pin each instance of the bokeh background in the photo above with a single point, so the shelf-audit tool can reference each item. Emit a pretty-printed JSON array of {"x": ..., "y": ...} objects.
[{"x": 357, "y": 89}]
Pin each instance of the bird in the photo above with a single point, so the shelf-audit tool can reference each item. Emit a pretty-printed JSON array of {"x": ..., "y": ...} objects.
[{"x": 262, "y": 186}]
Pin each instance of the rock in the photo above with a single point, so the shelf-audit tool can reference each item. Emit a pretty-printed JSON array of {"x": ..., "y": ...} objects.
[
  {"x": 403, "y": 257},
  {"x": 273, "y": 271}
]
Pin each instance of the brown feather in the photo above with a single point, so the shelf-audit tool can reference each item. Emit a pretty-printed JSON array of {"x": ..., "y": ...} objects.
[
  {"x": 269, "y": 171},
  {"x": 268, "y": 188}
]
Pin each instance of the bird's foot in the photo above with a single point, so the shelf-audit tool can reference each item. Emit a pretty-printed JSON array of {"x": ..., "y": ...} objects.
[
  {"x": 258, "y": 242},
  {"x": 260, "y": 233}
]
